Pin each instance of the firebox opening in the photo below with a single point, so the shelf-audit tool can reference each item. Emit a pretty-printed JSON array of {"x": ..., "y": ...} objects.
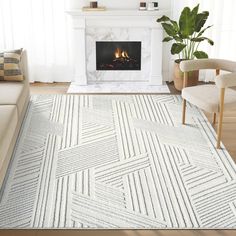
[{"x": 118, "y": 55}]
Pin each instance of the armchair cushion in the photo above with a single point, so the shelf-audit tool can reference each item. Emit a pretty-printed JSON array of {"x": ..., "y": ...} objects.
[{"x": 206, "y": 97}]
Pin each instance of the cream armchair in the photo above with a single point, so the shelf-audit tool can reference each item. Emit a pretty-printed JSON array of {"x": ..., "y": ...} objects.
[{"x": 214, "y": 98}]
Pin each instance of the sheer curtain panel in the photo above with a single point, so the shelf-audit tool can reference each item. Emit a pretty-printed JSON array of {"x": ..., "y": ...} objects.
[{"x": 42, "y": 28}]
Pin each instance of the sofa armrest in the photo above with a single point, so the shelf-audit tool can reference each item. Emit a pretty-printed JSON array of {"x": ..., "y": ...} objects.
[{"x": 24, "y": 66}]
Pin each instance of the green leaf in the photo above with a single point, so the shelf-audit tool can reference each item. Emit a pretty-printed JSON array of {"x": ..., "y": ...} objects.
[
  {"x": 200, "y": 55},
  {"x": 187, "y": 22},
  {"x": 195, "y": 10},
  {"x": 203, "y": 31},
  {"x": 163, "y": 19},
  {"x": 197, "y": 39},
  {"x": 201, "y": 20},
  {"x": 178, "y": 39},
  {"x": 177, "y": 48},
  {"x": 167, "y": 39},
  {"x": 200, "y": 39},
  {"x": 210, "y": 41},
  {"x": 175, "y": 25},
  {"x": 169, "y": 29}
]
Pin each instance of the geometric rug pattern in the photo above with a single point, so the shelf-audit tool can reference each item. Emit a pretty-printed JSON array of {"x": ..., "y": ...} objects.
[{"x": 117, "y": 162}]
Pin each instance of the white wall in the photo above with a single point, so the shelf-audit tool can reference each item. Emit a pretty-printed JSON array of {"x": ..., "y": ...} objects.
[{"x": 164, "y": 4}]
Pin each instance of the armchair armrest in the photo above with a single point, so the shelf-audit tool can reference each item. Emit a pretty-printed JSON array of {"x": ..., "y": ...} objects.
[
  {"x": 226, "y": 80},
  {"x": 199, "y": 64}
]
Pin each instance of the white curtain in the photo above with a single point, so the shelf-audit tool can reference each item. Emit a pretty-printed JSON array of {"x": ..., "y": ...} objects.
[
  {"x": 223, "y": 33},
  {"x": 41, "y": 27}
]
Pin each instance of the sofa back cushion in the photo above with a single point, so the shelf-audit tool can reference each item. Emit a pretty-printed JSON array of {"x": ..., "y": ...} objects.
[{"x": 10, "y": 65}]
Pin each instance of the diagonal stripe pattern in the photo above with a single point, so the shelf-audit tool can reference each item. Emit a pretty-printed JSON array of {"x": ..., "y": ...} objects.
[{"x": 115, "y": 162}]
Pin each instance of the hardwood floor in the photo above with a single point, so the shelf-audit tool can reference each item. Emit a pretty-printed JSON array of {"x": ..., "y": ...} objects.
[
  {"x": 117, "y": 232},
  {"x": 50, "y": 88},
  {"x": 229, "y": 140}
]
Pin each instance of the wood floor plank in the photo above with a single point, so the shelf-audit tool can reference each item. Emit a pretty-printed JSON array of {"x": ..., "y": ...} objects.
[{"x": 117, "y": 232}]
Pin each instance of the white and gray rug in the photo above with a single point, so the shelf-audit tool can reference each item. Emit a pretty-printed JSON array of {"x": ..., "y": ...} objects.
[{"x": 117, "y": 162}]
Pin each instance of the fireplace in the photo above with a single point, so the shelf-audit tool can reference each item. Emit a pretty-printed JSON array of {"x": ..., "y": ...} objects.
[
  {"x": 118, "y": 55},
  {"x": 114, "y": 26}
]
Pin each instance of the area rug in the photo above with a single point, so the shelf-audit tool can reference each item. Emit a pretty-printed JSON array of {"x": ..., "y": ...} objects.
[{"x": 117, "y": 162}]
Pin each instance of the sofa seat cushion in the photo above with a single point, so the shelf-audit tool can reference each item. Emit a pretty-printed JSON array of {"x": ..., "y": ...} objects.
[
  {"x": 8, "y": 124},
  {"x": 14, "y": 93},
  {"x": 207, "y": 97}
]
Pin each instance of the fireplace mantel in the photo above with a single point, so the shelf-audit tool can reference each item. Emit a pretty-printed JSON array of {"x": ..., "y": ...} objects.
[
  {"x": 116, "y": 18},
  {"x": 117, "y": 12},
  {"x": 113, "y": 19}
]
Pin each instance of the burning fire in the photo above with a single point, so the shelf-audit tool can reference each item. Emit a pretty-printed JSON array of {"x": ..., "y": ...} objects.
[
  {"x": 121, "y": 54},
  {"x": 121, "y": 61}
]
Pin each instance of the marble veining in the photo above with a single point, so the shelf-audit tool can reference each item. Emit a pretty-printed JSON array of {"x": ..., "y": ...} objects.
[
  {"x": 118, "y": 87},
  {"x": 118, "y": 34}
]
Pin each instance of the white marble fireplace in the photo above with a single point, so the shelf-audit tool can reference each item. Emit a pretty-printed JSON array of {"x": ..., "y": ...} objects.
[{"x": 117, "y": 25}]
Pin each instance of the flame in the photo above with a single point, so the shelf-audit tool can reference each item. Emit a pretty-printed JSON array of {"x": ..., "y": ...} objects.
[
  {"x": 121, "y": 54},
  {"x": 118, "y": 53}
]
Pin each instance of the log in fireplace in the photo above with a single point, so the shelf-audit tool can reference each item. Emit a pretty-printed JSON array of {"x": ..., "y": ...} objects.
[{"x": 118, "y": 55}]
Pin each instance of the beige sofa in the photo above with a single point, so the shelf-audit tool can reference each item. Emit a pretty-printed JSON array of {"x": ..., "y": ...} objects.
[{"x": 14, "y": 98}]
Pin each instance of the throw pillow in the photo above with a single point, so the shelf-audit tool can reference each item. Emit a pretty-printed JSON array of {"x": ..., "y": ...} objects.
[{"x": 10, "y": 65}]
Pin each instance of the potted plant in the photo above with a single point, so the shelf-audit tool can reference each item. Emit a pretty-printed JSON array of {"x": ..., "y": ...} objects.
[{"x": 187, "y": 35}]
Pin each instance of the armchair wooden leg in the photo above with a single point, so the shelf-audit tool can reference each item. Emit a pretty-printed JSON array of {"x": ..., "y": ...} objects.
[
  {"x": 219, "y": 131},
  {"x": 184, "y": 111},
  {"x": 214, "y": 118},
  {"x": 221, "y": 114},
  {"x": 185, "y": 82}
]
